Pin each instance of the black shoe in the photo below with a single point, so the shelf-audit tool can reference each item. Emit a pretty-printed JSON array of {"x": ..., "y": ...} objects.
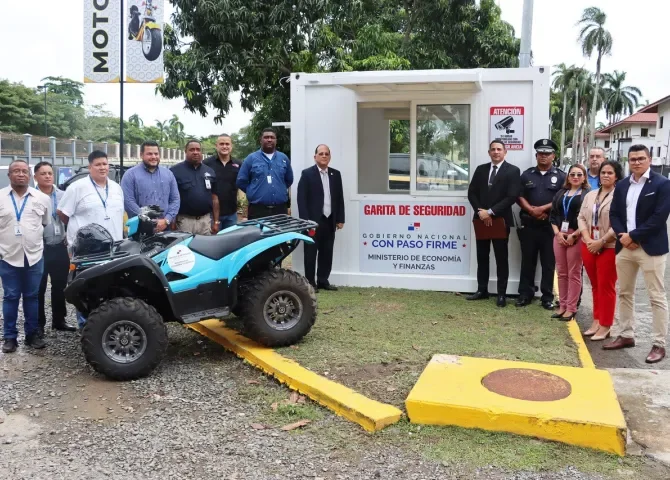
[
  {"x": 557, "y": 315},
  {"x": 522, "y": 302},
  {"x": 478, "y": 295},
  {"x": 548, "y": 304},
  {"x": 10, "y": 345},
  {"x": 40, "y": 331},
  {"x": 35, "y": 341},
  {"x": 64, "y": 327},
  {"x": 329, "y": 287},
  {"x": 502, "y": 301}
]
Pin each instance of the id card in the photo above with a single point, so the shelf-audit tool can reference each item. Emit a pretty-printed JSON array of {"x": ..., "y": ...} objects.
[
  {"x": 564, "y": 227},
  {"x": 56, "y": 230},
  {"x": 595, "y": 233},
  {"x": 269, "y": 178},
  {"x": 208, "y": 184},
  {"x": 17, "y": 230}
]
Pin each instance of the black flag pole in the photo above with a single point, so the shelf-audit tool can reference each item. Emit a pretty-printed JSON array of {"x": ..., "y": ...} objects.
[{"x": 121, "y": 81}]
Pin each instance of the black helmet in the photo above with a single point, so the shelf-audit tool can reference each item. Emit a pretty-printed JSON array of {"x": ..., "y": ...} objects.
[{"x": 92, "y": 239}]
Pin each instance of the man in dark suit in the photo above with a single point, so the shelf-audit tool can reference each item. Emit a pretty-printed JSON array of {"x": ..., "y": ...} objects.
[
  {"x": 492, "y": 192},
  {"x": 321, "y": 199},
  {"x": 639, "y": 215}
]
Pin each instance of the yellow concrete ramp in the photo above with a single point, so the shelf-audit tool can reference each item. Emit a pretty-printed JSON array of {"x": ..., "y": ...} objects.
[
  {"x": 370, "y": 414},
  {"x": 566, "y": 404}
]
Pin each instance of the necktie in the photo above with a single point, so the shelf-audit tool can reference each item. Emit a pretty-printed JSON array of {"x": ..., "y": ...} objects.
[{"x": 493, "y": 174}]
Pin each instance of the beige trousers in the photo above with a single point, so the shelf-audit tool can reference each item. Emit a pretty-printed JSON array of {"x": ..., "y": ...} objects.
[
  {"x": 628, "y": 262},
  {"x": 200, "y": 226}
]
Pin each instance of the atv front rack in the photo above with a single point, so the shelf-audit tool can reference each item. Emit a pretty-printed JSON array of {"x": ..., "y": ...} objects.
[
  {"x": 278, "y": 224},
  {"x": 100, "y": 257}
]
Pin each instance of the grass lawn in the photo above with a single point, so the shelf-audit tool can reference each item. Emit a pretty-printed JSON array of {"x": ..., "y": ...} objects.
[{"x": 377, "y": 341}]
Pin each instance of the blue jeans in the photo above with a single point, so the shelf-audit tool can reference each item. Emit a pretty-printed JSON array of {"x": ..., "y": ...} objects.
[
  {"x": 20, "y": 282},
  {"x": 227, "y": 220},
  {"x": 81, "y": 319}
]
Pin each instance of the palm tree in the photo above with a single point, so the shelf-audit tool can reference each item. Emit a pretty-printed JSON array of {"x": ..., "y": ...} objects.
[
  {"x": 593, "y": 36},
  {"x": 162, "y": 128},
  {"x": 135, "y": 119},
  {"x": 563, "y": 76},
  {"x": 620, "y": 99},
  {"x": 175, "y": 129},
  {"x": 579, "y": 83}
]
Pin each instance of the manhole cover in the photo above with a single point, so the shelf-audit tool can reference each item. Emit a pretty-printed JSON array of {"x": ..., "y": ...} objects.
[{"x": 527, "y": 384}]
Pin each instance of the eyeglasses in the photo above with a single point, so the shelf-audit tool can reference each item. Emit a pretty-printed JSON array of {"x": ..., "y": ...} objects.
[
  {"x": 576, "y": 175},
  {"x": 637, "y": 160}
]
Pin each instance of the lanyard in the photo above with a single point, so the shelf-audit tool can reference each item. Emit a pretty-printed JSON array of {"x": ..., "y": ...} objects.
[
  {"x": 596, "y": 210},
  {"x": 55, "y": 204},
  {"x": 23, "y": 205},
  {"x": 95, "y": 187},
  {"x": 566, "y": 209}
]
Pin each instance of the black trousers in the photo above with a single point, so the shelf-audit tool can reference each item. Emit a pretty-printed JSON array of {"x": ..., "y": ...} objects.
[
  {"x": 500, "y": 250},
  {"x": 537, "y": 240},
  {"x": 259, "y": 211},
  {"x": 56, "y": 266},
  {"x": 323, "y": 245}
]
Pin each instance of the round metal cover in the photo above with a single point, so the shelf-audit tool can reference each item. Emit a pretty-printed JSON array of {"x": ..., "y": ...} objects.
[{"x": 527, "y": 384}]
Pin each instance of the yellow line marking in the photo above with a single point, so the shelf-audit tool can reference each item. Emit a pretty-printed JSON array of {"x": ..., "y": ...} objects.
[
  {"x": 370, "y": 414},
  {"x": 582, "y": 350}
]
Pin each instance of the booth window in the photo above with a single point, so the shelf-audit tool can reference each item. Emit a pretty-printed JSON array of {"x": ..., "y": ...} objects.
[{"x": 442, "y": 147}]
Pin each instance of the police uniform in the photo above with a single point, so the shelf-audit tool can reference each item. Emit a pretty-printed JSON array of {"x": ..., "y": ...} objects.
[{"x": 537, "y": 236}]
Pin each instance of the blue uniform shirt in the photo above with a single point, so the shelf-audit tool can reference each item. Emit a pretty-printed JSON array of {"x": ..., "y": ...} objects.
[
  {"x": 196, "y": 198},
  {"x": 266, "y": 181},
  {"x": 594, "y": 182}
]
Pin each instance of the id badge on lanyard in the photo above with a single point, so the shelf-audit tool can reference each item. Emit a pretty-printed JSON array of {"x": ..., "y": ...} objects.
[{"x": 565, "y": 226}]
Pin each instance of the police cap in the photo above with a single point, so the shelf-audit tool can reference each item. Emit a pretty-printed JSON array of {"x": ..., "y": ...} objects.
[{"x": 545, "y": 145}]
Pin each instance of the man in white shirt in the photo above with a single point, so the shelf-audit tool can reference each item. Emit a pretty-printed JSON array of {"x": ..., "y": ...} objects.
[
  {"x": 24, "y": 211},
  {"x": 94, "y": 199},
  {"x": 638, "y": 215}
]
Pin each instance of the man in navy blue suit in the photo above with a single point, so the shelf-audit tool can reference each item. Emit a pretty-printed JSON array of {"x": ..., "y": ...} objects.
[
  {"x": 638, "y": 215},
  {"x": 321, "y": 199}
]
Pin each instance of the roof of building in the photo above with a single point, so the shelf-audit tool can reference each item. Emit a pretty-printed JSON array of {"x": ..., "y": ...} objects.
[
  {"x": 639, "y": 117},
  {"x": 653, "y": 107},
  {"x": 602, "y": 135}
]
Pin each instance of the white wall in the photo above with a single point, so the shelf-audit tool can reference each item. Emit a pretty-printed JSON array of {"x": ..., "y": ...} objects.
[
  {"x": 324, "y": 110},
  {"x": 663, "y": 134}
]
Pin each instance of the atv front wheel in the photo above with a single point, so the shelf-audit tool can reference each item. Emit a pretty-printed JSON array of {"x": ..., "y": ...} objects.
[
  {"x": 124, "y": 339},
  {"x": 280, "y": 308}
]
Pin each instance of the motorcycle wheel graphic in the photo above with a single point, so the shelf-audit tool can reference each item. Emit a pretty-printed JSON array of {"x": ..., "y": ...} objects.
[{"x": 152, "y": 43}]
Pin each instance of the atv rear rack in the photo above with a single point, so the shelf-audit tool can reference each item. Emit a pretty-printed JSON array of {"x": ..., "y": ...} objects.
[{"x": 278, "y": 224}]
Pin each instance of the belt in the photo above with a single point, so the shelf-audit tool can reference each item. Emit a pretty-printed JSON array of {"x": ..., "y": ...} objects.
[
  {"x": 266, "y": 206},
  {"x": 59, "y": 244},
  {"x": 194, "y": 217}
]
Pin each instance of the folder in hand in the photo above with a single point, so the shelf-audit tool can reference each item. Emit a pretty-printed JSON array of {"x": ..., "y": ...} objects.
[{"x": 498, "y": 230}]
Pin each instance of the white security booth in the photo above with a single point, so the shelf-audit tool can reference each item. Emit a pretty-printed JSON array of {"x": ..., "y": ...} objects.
[{"x": 407, "y": 144}]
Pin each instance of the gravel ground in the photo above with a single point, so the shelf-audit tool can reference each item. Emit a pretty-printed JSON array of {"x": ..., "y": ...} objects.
[{"x": 60, "y": 420}]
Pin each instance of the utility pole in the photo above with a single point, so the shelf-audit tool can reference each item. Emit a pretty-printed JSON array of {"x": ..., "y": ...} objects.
[
  {"x": 121, "y": 81},
  {"x": 526, "y": 34},
  {"x": 44, "y": 87}
]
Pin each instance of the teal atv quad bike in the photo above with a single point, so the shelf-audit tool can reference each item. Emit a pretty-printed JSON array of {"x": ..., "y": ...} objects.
[{"x": 128, "y": 290}]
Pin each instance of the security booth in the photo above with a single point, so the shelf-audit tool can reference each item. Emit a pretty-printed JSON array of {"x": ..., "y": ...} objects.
[{"x": 407, "y": 144}]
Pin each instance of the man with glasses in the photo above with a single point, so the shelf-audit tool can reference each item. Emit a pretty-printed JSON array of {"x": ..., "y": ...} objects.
[
  {"x": 639, "y": 215},
  {"x": 539, "y": 185}
]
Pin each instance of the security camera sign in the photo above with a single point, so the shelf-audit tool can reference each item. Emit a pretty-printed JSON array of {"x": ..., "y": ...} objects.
[{"x": 506, "y": 123}]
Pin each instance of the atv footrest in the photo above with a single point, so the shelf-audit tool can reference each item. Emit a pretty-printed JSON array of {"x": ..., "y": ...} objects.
[{"x": 205, "y": 314}]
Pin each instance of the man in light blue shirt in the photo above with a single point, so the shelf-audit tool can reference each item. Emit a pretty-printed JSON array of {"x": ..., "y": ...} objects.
[
  {"x": 148, "y": 183},
  {"x": 265, "y": 176},
  {"x": 596, "y": 158}
]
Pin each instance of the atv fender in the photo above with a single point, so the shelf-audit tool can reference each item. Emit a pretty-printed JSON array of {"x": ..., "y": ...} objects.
[
  {"x": 241, "y": 257},
  {"x": 94, "y": 277}
]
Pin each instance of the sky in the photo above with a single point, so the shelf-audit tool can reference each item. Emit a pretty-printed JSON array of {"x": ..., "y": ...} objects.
[{"x": 53, "y": 46}]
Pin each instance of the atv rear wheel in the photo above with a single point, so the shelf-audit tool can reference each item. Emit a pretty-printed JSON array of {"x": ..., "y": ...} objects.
[
  {"x": 280, "y": 308},
  {"x": 124, "y": 339}
]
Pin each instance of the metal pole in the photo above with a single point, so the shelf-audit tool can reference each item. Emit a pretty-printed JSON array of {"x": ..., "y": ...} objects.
[
  {"x": 122, "y": 19},
  {"x": 526, "y": 34},
  {"x": 46, "y": 131}
]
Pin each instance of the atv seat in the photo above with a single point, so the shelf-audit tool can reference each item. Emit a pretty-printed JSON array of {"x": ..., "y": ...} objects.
[{"x": 218, "y": 246}]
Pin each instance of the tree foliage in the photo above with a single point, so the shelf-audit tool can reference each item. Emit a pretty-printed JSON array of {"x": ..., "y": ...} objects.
[{"x": 252, "y": 46}]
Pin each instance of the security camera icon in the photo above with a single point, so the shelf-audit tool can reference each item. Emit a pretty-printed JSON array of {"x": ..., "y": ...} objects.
[{"x": 505, "y": 124}]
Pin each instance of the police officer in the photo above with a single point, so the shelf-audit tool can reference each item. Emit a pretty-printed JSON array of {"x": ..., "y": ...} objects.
[{"x": 539, "y": 185}]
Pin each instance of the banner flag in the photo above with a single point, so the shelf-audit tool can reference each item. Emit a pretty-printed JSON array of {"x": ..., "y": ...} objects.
[
  {"x": 102, "y": 38},
  {"x": 144, "y": 52}
]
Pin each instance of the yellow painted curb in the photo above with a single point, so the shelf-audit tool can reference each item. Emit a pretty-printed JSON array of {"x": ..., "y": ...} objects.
[
  {"x": 582, "y": 349},
  {"x": 450, "y": 392},
  {"x": 368, "y": 413}
]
